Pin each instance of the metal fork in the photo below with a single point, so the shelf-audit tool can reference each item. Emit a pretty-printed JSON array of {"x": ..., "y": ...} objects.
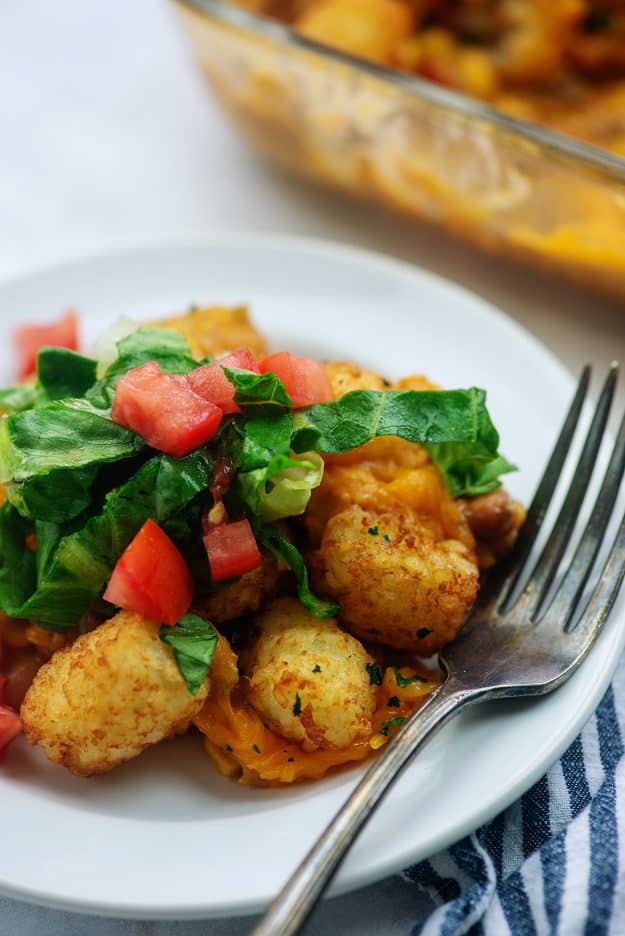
[{"x": 525, "y": 636}]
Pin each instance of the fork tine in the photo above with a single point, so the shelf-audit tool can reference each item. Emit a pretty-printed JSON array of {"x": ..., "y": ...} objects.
[
  {"x": 545, "y": 568},
  {"x": 507, "y": 575},
  {"x": 602, "y": 599},
  {"x": 566, "y": 601}
]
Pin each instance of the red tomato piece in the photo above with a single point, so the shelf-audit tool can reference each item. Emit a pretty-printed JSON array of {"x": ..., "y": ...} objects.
[
  {"x": 243, "y": 359},
  {"x": 164, "y": 410},
  {"x": 151, "y": 577},
  {"x": 231, "y": 550},
  {"x": 306, "y": 381},
  {"x": 10, "y": 727},
  {"x": 210, "y": 382},
  {"x": 28, "y": 339}
]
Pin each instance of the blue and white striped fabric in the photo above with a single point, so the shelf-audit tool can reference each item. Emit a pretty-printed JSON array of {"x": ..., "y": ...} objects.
[{"x": 554, "y": 862}]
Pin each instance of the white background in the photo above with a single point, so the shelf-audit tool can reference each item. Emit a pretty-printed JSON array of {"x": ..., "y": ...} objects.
[{"x": 108, "y": 137}]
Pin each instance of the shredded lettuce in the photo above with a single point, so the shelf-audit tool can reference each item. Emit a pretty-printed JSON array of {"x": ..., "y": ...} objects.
[
  {"x": 283, "y": 488},
  {"x": 18, "y": 568},
  {"x": 258, "y": 394},
  {"x": 75, "y": 565},
  {"x": 49, "y": 457},
  {"x": 193, "y": 641},
  {"x": 166, "y": 346},
  {"x": 62, "y": 374},
  {"x": 286, "y": 552},
  {"x": 469, "y": 469},
  {"x": 253, "y": 443},
  {"x": 18, "y": 398},
  {"x": 60, "y": 436},
  {"x": 57, "y": 496},
  {"x": 454, "y": 425},
  {"x": 427, "y": 416}
]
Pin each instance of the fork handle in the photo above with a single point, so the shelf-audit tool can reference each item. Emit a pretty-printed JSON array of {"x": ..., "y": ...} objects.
[{"x": 291, "y": 908}]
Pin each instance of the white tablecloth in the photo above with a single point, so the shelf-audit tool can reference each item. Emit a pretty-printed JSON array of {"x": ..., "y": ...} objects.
[{"x": 108, "y": 136}]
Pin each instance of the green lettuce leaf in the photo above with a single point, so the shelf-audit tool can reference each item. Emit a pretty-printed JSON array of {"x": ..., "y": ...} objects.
[
  {"x": 283, "y": 488},
  {"x": 253, "y": 443},
  {"x": 258, "y": 394},
  {"x": 61, "y": 435},
  {"x": 63, "y": 374},
  {"x": 427, "y": 416},
  {"x": 166, "y": 346},
  {"x": 453, "y": 424},
  {"x": 193, "y": 641},
  {"x": 40, "y": 450},
  {"x": 18, "y": 565},
  {"x": 75, "y": 566},
  {"x": 469, "y": 469},
  {"x": 18, "y": 398},
  {"x": 57, "y": 496},
  {"x": 275, "y": 542}
]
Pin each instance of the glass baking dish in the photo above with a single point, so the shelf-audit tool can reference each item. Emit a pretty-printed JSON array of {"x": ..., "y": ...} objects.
[{"x": 508, "y": 185}]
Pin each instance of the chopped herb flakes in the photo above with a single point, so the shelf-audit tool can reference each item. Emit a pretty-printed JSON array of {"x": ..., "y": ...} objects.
[
  {"x": 375, "y": 674},
  {"x": 290, "y": 760},
  {"x": 256, "y": 748},
  {"x": 424, "y": 632},
  {"x": 387, "y": 538},
  {"x": 403, "y": 681},
  {"x": 373, "y": 531},
  {"x": 393, "y": 701},
  {"x": 297, "y": 708},
  {"x": 228, "y": 749},
  {"x": 316, "y": 668},
  {"x": 393, "y": 723}
]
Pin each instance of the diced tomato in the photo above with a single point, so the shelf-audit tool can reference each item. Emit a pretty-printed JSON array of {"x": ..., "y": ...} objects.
[
  {"x": 164, "y": 410},
  {"x": 243, "y": 359},
  {"x": 151, "y": 577},
  {"x": 10, "y": 727},
  {"x": 28, "y": 339},
  {"x": 210, "y": 382},
  {"x": 305, "y": 380},
  {"x": 231, "y": 550}
]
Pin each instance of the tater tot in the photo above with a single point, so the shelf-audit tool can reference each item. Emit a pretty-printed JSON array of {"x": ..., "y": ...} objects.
[
  {"x": 108, "y": 696},
  {"x": 370, "y": 29},
  {"x": 309, "y": 679},
  {"x": 396, "y": 582},
  {"x": 243, "y": 596},
  {"x": 345, "y": 377},
  {"x": 215, "y": 330}
]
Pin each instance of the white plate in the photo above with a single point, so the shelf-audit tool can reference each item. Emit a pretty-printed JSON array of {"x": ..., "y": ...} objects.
[{"x": 165, "y": 836}]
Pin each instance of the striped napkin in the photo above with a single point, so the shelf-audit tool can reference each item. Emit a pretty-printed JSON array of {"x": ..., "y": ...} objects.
[{"x": 554, "y": 862}]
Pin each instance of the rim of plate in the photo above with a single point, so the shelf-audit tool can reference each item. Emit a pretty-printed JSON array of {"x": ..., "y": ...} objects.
[{"x": 346, "y": 880}]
